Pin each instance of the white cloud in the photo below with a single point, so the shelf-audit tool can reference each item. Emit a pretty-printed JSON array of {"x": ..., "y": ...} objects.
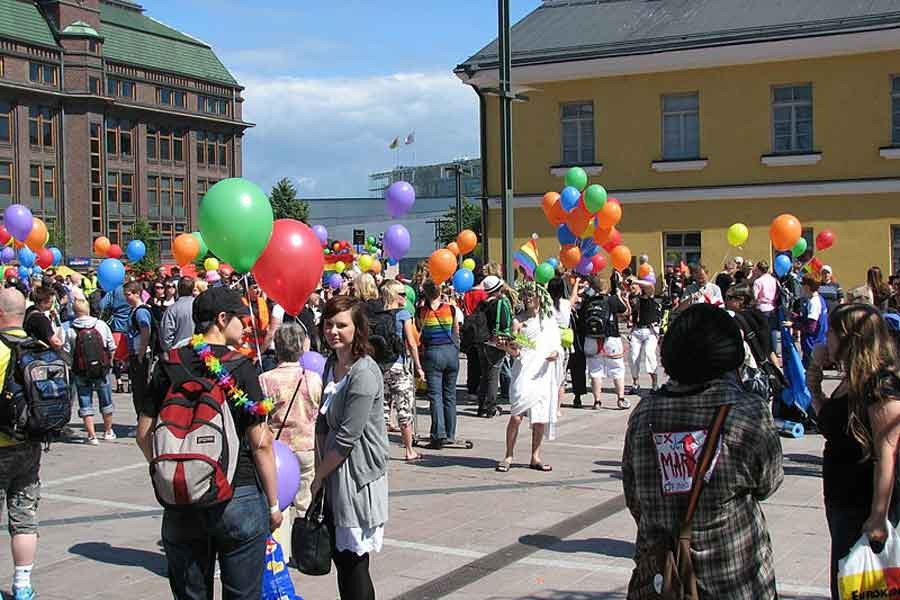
[{"x": 328, "y": 134}]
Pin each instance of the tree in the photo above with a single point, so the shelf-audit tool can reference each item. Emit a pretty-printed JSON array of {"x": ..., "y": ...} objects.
[
  {"x": 471, "y": 219},
  {"x": 141, "y": 230},
  {"x": 58, "y": 237},
  {"x": 285, "y": 203}
]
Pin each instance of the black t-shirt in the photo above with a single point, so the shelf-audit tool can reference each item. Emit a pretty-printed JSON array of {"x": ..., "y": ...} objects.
[
  {"x": 724, "y": 281},
  {"x": 647, "y": 311},
  {"x": 37, "y": 325},
  {"x": 247, "y": 379},
  {"x": 755, "y": 327}
]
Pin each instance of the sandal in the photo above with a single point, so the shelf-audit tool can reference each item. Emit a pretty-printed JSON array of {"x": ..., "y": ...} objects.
[
  {"x": 415, "y": 458},
  {"x": 503, "y": 466},
  {"x": 540, "y": 467},
  {"x": 597, "y": 405}
]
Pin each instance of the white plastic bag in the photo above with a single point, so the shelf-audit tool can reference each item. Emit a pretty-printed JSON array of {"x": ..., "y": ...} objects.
[{"x": 864, "y": 574}]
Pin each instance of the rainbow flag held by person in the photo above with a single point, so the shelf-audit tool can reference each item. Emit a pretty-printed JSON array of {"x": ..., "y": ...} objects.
[{"x": 527, "y": 257}]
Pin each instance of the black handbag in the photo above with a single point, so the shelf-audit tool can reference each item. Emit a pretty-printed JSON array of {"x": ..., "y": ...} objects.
[{"x": 312, "y": 539}]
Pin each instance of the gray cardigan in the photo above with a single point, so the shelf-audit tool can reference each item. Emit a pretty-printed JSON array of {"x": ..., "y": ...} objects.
[{"x": 354, "y": 426}]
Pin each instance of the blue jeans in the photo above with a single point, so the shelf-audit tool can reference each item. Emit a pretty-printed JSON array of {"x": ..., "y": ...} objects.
[
  {"x": 235, "y": 532},
  {"x": 441, "y": 366},
  {"x": 86, "y": 388}
]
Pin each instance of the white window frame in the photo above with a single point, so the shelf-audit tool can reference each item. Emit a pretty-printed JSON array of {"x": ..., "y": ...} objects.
[
  {"x": 793, "y": 105},
  {"x": 582, "y": 158},
  {"x": 683, "y": 152},
  {"x": 682, "y": 249}
]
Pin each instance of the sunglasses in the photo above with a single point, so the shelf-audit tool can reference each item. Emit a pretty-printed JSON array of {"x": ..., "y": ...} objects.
[
  {"x": 170, "y": 286},
  {"x": 158, "y": 287}
]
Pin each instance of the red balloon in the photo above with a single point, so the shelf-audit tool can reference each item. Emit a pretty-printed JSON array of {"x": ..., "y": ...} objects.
[
  {"x": 615, "y": 239},
  {"x": 44, "y": 258},
  {"x": 114, "y": 251},
  {"x": 292, "y": 244},
  {"x": 4, "y": 235},
  {"x": 10, "y": 272},
  {"x": 599, "y": 262},
  {"x": 825, "y": 240}
]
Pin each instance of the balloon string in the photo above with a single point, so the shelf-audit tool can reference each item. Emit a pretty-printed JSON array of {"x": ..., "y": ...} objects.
[{"x": 255, "y": 336}]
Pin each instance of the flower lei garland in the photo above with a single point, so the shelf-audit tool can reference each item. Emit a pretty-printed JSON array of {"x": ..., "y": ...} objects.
[{"x": 224, "y": 378}]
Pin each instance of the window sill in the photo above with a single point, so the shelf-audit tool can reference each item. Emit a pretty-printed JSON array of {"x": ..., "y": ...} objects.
[
  {"x": 591, "y": 169},
  {"x": 673, "y": 166},
  {"x": 791, "y": 160},
  {"x": 890, "y": 152}
]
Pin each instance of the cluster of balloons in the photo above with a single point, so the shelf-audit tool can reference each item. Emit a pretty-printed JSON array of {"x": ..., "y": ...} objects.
[
  {"x": 111, "y": 272},
  {"x": 442, "y": 263},
  {"x": 25, "y": 237}
]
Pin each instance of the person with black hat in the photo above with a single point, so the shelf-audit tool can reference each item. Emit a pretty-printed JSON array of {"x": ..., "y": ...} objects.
[
  {"x": 233, "y": 529},
  {"x": 731, "y": 550}
]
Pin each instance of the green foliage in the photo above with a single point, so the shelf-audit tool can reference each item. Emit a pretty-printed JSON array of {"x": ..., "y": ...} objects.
[
  {"x": 141, "y": 230},
  {"x": 471, "y": 219},
  {"x": 285, "y": 203},
  {"x": 58, "y": 237}
]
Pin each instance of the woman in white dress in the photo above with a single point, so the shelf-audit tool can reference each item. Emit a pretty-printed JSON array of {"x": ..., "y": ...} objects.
[{"x": 534, "y": 388}]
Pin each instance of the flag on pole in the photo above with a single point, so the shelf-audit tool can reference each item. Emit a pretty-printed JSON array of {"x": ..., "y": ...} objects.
[
  {"x": 410, "y": 139},
  {"x": 395, "y": 143},
  {"x": 527, "y": 257}
]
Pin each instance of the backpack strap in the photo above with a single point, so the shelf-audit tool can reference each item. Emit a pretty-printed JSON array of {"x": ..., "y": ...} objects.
[
  {"x": 287, "y": 413},
  {"x": 709, "y": 450}
]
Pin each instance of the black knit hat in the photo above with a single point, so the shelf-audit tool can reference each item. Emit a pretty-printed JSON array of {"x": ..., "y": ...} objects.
[{"x": 702, "y": 344}]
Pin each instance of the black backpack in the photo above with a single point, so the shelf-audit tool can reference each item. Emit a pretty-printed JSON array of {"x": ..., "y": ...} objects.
[
  {"x": 596, "y": 317},
  {"x": 153, "y": 345},
  {"x": 90, "y": 358},
  {"x": 475, "y": 329},
  {"x": 387, "y": 345}
]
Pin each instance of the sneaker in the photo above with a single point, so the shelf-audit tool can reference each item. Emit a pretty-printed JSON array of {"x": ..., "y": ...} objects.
[
  {"x": 635, "y": 390},
  {"x": 109, "y": 436},
  {"x": 25, "y": 593},
  {"x": 624, "y": 404},
  {"x": 93, "y": 441}
]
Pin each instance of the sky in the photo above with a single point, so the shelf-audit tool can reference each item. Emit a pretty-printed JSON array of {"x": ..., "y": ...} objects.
[{"x": 329, "y": 84}]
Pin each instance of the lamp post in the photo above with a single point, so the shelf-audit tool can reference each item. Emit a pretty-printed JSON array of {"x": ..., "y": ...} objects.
[{"x": 506, "y": 165}]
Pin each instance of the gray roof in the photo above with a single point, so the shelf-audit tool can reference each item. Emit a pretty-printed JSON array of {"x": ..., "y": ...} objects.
[{"x": 566, "y": 30}]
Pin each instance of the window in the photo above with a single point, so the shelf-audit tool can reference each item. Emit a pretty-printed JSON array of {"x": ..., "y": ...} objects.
[
  {"x": 165, "y": 197},
  {"x": 119, "y": 231},
  {"x": 93, "y": 46},
  {"x": 170, "y": 97},
  {"x": 203, "y": 186},
  {"x": 40, "y": 127},
  {"x": 6, "y": 183},
  {"x": 6, "y": 121},
  {"x": 94, "y": 85},
  {"x": 681, "y": 126},
  {"x": 97, "y": 221},
  {"x": 681, "y": 247},
  {"x": 792, "y": 119},
  {"x": 118, "y": 138},
  {"x": 212, "y": 149},
  {"x": 42, "y": 73},
  {"x": 120, "y": 88},
  {"x": 119, "y": 195},
  {"x": 577, "y": 125},
  {"x": 43, "y": 188},
  {"x": 2, "y": 65},
  {"x": 165, "y": 144},
  {"x": 895, "y": 110},
  {"x": 212, "y": 105}
]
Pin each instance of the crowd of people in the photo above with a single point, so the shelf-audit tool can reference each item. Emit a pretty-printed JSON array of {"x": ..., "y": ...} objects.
[{"x": 163, "y": 337}]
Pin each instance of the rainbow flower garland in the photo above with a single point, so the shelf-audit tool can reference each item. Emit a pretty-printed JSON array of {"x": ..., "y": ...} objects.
[{"x": 226, "y": 381}]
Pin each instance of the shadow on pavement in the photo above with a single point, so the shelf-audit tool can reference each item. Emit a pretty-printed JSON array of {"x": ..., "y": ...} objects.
[
  {"x": 154, "y": 562},
  {"x": 614, "y": 471},
  {"x": 446, "y": 460},
  {"x": 565, "y": 595},
  {"x": 603, "y": 546},
  {"x": 805, "y": 465}
]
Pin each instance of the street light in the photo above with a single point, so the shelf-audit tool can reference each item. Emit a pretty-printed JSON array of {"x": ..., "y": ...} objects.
[{"x": 506, "y": 172}]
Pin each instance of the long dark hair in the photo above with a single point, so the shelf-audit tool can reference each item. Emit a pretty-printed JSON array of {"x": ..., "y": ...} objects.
[
  {"x": 360, "y": 346},
  {"x": 556, "y": 287}
]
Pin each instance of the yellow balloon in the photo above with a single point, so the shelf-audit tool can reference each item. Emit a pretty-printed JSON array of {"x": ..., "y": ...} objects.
[
  {"x": 339, "y": 266},
  {"x": 365, "y": 262},
  {"x": 468, "y": 264},
  {"x": 211, "y": 264},
  {"x": 738, "y": 234}
]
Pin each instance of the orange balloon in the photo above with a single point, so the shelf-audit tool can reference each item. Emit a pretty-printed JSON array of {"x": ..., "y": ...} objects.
[
  {"x": 442, "y": 264},
  {"x": 185, "y": 249},
  {"x": 785, "y": 232},
  {"x": 644, "y": 270},
  {"x": 621, "y": 257},
  {"x": 603, "y": 235},
  {"x": 376, "y": 267},
  {"x": 454, "y": 248},
  {"x": 38, "y": 236},
  {"x": 610, "y": 215},
  {"x": 570, "y": 256},
  {"x": 17, "y": 244},
  {"x": 578, "y": 219},
  {"x": 466, "y": 241},
  {"x": 553, "y": 210},
  {"x": 101, "y": 245}
]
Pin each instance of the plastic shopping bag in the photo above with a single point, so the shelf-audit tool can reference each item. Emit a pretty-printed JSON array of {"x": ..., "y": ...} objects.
[
  {"x": 277, "y": 584},
  {"x": 864, "y": 574}
]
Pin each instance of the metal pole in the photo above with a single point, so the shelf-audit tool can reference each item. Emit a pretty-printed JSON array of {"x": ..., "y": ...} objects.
[
  {"x": 506, "y": 164},
  {"x": 458, "y": 170}
]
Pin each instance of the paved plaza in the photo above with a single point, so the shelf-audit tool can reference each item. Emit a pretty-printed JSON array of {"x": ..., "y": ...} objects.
[{"x": 458, "y": 529}]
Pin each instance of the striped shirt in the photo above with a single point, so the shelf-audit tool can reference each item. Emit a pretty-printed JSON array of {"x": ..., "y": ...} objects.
[{"x": 437, "y": 325}]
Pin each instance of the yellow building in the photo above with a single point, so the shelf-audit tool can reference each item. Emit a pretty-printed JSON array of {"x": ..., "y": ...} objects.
[{"x": 697, "y": 115}]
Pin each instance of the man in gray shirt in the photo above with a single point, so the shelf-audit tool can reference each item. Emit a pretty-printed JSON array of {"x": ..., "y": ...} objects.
[{"x": 177, "y": 323}]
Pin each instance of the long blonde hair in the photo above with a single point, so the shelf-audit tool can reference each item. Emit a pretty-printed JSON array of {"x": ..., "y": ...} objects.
[
  {"x": 364, "y": 287},
  {"x": 865, "y": 351},
  {"x": 391, "y": 292}
]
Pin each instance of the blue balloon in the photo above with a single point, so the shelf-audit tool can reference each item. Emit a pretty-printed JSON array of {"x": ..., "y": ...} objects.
[
  {"x": 57, "y": 256},
  {"x": 392, "y": 261},
  {"x": 554, "y": 262},
  {"x": 135, "y": 250},
  {"x": 463, "y": 280},
  {"x": 783, "y": 265},
  {"x": 565, "y": 236},
  {"x": 111, "y": 274},
  {"x": 569, "y": 198},
  {"x": 24, "y": 272},
  {"x": 589, "y": 248},
  {"x": 26, "y": 257}
]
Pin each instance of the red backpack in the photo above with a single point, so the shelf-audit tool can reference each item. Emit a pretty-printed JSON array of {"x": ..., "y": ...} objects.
[{"x": 195, "y": 441}]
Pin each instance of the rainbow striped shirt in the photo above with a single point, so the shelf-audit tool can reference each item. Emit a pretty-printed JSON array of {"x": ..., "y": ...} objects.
[{"x": 437, "y": 325}]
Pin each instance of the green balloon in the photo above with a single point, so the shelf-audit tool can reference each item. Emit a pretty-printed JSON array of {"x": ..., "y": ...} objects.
[
  {"x": 799, "y": 248},
  {"x": 577, "y": 178},
  {"x": 203, "y": 249},
  {"x": 370, "y": 240},
  {"x": 236, "y": 221},
  {"x": 544, "y": 273},
  {"x": 594, "y": 198}
]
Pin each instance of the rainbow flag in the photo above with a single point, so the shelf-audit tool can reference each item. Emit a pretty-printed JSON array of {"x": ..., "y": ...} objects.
[{"x": 527, "y": 257}]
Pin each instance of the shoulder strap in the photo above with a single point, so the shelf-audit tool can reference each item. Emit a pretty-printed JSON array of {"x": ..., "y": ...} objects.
[
  {"x": 709, "y": 451},
  {"x": 287, "y": 413}
]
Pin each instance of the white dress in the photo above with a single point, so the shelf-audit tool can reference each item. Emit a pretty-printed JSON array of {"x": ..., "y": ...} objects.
[{"x": 535, "y": 380}]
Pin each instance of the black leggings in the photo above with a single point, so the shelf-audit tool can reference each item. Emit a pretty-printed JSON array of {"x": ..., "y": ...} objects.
[{"x": 353, "y": 578}]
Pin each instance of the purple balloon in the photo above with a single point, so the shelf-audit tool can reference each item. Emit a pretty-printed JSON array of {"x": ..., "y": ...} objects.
[
  {"x": 18, "y": 220},
  {"x": 7, "y": 255},
  {"x": 335, "y": 281},
  {"x": 396, "y": 241},
  {"x": 651, "y": 278},
  {"x": 321, "y": 233},
  {"x": 399, "y": 198},
  {"x": 287, "y": 473},
  {"x": 313, "y": 361},
  {"x": 585, "y": 267}
]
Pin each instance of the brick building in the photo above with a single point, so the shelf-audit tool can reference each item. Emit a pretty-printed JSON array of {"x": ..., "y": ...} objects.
[{"x": 107, "y": 115}]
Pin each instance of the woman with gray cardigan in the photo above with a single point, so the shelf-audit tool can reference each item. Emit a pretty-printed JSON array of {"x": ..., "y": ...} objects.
[{"x": 352, "y": 447}]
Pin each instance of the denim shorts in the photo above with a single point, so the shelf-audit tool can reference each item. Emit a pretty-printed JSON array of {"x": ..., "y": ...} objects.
[
  {"x": 86, "y": 388},
  {"x": 20, "y": 486}
]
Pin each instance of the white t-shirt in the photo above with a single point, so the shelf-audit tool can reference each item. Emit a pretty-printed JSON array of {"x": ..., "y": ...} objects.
[
  {"x": 564, "y": 313},
  {"x": 815, "y": 307}
]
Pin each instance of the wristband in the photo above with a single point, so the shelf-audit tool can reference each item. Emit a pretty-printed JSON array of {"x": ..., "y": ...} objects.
[{"x": 274, "y": 509}]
